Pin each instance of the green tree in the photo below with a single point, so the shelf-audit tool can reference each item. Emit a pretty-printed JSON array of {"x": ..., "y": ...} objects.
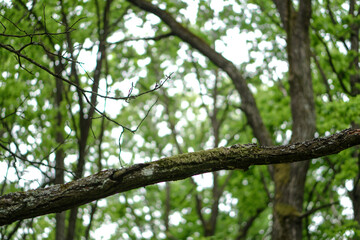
[{"x": 159, "y": 100}]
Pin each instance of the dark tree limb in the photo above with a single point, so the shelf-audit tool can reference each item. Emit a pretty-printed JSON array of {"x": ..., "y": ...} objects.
[
  {"x": 306, "y": 214},
  {"x": 339, "y": 73},
  {"x": 57, "y": 198},
  {"x": 323, "y": 76},
  {"x": 243, "y": 231},
  {"x": 247, "y": 99}
]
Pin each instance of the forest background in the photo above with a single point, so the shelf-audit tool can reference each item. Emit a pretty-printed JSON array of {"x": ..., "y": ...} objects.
[{"x": 97, "y": 85}]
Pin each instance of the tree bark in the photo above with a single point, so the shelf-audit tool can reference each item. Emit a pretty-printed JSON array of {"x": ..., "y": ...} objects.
[
  {"x": 354, "y": 39},
  {"x": 85, "y": 119},
  {"x": 59, "y": 156},
  {"x": 57, "y": 198},
  {"x": 355, "y": 90},
  {"x": 290, "y": 178}
]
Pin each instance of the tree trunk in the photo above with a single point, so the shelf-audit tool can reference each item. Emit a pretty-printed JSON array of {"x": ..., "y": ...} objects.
[
  {"x": 59, "y": 154},
  {"x": 354, "y": 39},
  {"x": 85, "y": 120},
  {"x": 355, "y": 90},
  {"x": 290, "y": 178},
  {"x": 355, "y": 197}
]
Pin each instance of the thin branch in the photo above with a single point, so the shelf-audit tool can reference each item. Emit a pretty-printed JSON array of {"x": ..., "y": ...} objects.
[
  {"x": 5, "y": 179},
  {"x": 32, "y": 162},
  {"x": 323, "y": 76},
  {"x": 247, "y": 98},
  {"x": 339, "y": 74},
  {"x": 334, "y": 22},
  {"x": 14, "y": 230},
  {"x": 93, "y": 209},
  {"x": 14, "y": 24},
  {"x": 30, "y": 35},
  {"x": 120, "y": 18},
  {"x": 268, "y": 194},
  {"x": 16, "y": 109},
  {"x": 155, "y": 38},
  {"x": 83, "y": 92},
  {"x": 243, "y": 231},
  {"x": 20, "y": 55},
  {"x": 318, "y": 208},
  {"x": 198, "y": 204}
]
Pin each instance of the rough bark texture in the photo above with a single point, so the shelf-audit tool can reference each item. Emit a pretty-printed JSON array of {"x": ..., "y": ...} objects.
[
  {"x": 57, "y": 198},
  {"x": 290, "y": 178}
]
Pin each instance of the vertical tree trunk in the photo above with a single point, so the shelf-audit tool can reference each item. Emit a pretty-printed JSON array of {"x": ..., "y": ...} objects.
[
  {"x": 354, "y": 194},
  {"x": 290, "y": 178},
  {"x": 85, "y": 120},
  {"x": 354, "y": 40},
  {"x": 59, "y": 154},
  {"x": 356, "y": 202},
  {"x": 355, "y": 90}
]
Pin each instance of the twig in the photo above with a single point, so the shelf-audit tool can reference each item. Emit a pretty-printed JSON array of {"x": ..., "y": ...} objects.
[
  {"x": 155, "y": 38},
  {"x": 318, "y": 208}
]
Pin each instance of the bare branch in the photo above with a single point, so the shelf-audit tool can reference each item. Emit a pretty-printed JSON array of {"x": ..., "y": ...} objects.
[
  {"x": 247, "y": 98},
  {"x": 323, "y": 76},
  {"x": 57, "y": 198},
  {"x": 20, "y": 55},
  {"x": 339, "y": 74},
  {"x": 155, "y": 38},
  {"x": 318, "y": 208}
]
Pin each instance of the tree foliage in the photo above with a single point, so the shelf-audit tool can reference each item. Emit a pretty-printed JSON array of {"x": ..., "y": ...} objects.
[{"x": 93, "y": 92}]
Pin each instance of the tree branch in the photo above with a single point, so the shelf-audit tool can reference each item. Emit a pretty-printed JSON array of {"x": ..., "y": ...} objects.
[
  {"x": 57, "y": 198},
  {"x": 339, "y": 73},
  {"x": 247, "y": 99}
]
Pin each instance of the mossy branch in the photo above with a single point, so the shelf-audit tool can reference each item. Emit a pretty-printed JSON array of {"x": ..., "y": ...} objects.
[{"x": 57, "y": 198}]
